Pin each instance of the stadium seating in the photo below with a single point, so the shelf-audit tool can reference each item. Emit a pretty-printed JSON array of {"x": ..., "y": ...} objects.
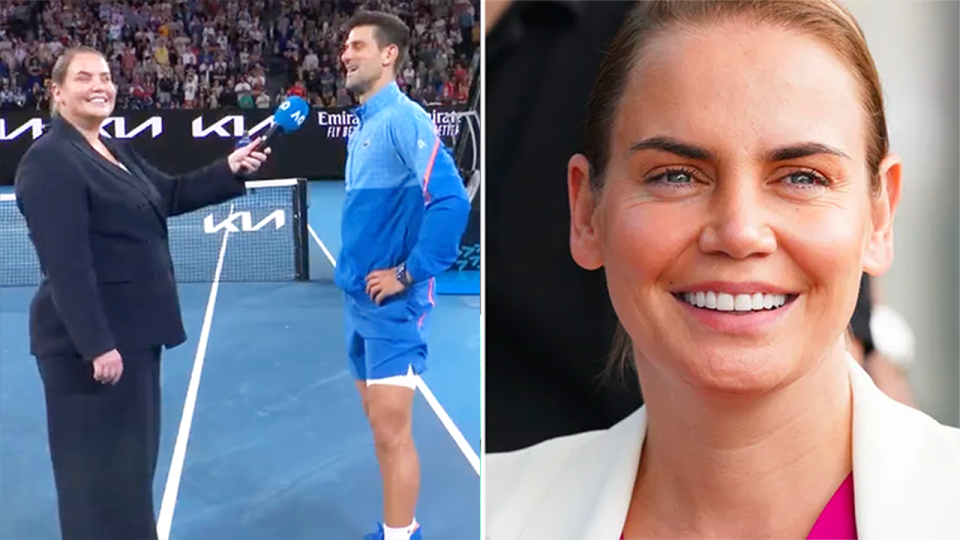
[{"x": 214, "y": 54}]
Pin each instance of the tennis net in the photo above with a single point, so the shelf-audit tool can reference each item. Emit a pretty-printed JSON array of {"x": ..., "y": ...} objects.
[{"x": 267, "y": 227}]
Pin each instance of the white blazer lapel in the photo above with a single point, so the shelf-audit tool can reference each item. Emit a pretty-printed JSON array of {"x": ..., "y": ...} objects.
[
  {"x": 591, "y": 493},
  {"x": 906, "y": 468},
  {"x": 614, "y": 474}
]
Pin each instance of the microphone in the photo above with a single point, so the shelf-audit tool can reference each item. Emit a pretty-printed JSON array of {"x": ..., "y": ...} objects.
[{"x": 289, "y": 116}]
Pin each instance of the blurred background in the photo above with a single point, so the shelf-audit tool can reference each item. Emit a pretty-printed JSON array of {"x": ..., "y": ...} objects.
[{"x": 916, "y": 45}]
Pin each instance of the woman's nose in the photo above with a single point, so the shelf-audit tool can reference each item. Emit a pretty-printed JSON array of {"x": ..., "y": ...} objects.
[{"x": 739, "y": 224}]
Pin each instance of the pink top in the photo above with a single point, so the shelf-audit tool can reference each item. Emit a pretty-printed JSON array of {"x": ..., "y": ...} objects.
[{"x": 838, "y": 520}]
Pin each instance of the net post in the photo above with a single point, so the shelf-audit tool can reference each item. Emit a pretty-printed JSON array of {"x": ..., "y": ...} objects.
[{"x": 301, "y": 235}]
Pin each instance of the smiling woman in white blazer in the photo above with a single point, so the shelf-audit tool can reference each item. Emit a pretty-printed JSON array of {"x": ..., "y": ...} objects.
[{"x": 736, "y": 182}]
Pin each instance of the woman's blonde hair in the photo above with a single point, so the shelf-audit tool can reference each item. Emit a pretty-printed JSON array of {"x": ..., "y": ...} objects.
[
  {"x": 61, "y": 66},
  {"x": 824, "y": 20}
]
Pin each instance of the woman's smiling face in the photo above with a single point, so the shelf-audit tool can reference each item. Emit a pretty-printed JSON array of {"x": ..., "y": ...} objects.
[{"x": 736, "y": 213}]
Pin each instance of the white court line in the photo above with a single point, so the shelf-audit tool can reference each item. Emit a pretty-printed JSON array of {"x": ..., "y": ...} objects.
[
  {"x": 172, "y": 488},
  {"x": 323, "y": 247},
  {"x": 452, "y": 428},
  {"x": 438, "y": 409}
]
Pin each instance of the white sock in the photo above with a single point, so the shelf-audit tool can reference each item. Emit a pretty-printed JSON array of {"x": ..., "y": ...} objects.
[{"x": 402, "y": 533}]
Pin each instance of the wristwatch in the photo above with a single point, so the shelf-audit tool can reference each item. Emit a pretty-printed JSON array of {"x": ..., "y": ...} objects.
[{"x": 402, "y": 276}]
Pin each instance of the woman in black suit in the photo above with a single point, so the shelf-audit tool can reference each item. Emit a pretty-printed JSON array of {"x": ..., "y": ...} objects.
[{"x": 108, "y": 302}]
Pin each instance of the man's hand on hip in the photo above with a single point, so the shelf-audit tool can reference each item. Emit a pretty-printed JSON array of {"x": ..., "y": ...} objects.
[{"x": 382, "y": 284}]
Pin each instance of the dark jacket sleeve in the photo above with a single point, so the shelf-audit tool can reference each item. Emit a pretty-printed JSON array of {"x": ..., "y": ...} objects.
[
  {"x": 55, "y": 206},
  {"x": 191, "y": 191}
]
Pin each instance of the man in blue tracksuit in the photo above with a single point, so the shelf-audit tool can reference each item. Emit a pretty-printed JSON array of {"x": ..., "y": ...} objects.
[{"x": 405, "y": 212}]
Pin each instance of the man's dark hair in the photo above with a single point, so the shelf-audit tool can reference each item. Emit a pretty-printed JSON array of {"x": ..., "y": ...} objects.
[{"x": 388, "y": 30}]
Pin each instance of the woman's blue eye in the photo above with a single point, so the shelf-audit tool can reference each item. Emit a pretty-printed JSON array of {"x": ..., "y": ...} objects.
[
  {"x": 673, "y": 177},
  {"x": 805, "y": 178},
  {"x": 677, "y": 177}
]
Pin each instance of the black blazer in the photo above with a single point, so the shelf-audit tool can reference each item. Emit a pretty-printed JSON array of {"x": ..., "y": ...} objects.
[{"x": 101, "y": 237}]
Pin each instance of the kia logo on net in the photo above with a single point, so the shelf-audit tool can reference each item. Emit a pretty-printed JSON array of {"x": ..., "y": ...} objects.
[{"x": 278, "y": 217}]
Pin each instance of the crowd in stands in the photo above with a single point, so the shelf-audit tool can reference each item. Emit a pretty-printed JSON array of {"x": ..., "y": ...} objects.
[{"x": 212, "y": 54}]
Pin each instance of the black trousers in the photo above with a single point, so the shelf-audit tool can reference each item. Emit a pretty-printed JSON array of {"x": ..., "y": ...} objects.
[{"x": 104, "y": 440}]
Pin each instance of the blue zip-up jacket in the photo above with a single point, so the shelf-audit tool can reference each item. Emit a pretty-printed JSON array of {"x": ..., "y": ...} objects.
[{"x": 405, "y": 199}]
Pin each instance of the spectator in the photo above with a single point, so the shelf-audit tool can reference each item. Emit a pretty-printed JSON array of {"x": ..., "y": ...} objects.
[
  {"x": 263, "y": 101},
  {"x": 190, "y": 90},
  {"x": 297, "y": 90}
]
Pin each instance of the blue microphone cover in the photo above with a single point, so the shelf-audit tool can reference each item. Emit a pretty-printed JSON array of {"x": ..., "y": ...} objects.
[{"x": 291, "y": 114}]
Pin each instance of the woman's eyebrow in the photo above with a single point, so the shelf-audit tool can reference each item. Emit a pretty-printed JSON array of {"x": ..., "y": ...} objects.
[
  {"x": 804, "y": 149},
  {"x": 692, "y": 151},
  {"x": 673, "y": 146}
]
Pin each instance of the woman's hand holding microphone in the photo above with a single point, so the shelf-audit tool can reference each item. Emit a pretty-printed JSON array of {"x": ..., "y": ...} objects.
[{"x": 247, "y": 158}]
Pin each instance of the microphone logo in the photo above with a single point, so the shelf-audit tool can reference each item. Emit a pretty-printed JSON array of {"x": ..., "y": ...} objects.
[{"x": 291, "y": 114}]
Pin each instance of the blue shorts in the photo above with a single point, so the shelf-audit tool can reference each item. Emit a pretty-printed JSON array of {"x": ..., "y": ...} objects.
[{"x": 387, "y": 340}]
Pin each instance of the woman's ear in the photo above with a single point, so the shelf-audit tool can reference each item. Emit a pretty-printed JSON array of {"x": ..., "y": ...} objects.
[
  {"x": 878, "y": 255},
  {"x": 55, "y": 93},
  {"x": 585, "y": 241}
]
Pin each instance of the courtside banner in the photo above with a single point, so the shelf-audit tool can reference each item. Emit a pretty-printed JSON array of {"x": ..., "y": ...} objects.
[{"x": 178, "y": 141}]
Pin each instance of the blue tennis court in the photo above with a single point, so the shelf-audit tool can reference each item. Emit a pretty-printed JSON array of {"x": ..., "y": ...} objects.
[{"x": 263, "y": 435}]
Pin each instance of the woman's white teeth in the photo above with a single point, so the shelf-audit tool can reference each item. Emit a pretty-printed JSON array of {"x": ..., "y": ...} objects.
[{"x": 739, "y": 302}]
